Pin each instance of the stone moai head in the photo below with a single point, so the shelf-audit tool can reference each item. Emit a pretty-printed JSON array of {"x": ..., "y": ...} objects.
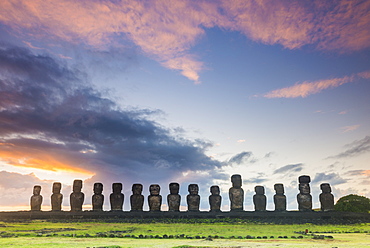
[
  {"x": 174, "y": 188},
  {"x": 154, "y": 189},
  {"x": 236, "y": 180},
  {"x": 117, "y": 188},
  {"x": 279, "y": 188},
  {"x": 36, "y": 190},
  {"x": 77, "y": 185},
  {"x": 193, "y": 189},
  {"x": 98, "y": 188},
  {"x": 260, "y": 190},
  {"x": 304, "y": 184},
  {"x": 137, "y": 189},
  {"x": 57, "y": 187},
  {"x": 215, "y": 190},
  {"x": 325, "y": 187}
]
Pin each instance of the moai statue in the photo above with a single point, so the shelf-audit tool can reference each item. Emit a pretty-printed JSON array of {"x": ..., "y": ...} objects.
[
  {"x": 154, "y": 199},
  {"x": 36, "y": 198},
  {"x": 259, "y": 199},
  {"x": 279, "y": 197},
  {"x": 326, "y": 198},
  {"x": 236, "y": 193},
  {"x": 76, "y": 198},
  {"x": 173, "y": 199},
  {"x": 137, "y": 199},
  {"x": 56, "y": 197},
  {"x": 215, "y": 199},
  {"x": 98, "y": 197},
  {"x": 193, "y": 199},
  {"x": 304, "y": 197},
  {"x": 116, "y": 198}
]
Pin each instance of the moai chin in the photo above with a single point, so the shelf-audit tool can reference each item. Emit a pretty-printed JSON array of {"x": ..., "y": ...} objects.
[
  {"x": 326, "y": 198},
  {"x": 215, "y": 199},
  {"x": 98, "y": 197},
  {"x": 193, "y": 199},
  {"x": 116, "y": 198},
  {"x": 137, "y": 199},
  {"x": 304, "y": 197},
  {"x": 259, "y": 199},
  {"x": 236, "y": 193},
  {"x": 154, "y": 199},
  {"x": 174, "y": 199},
  {"x": 56, "y": 197},
  {"x": 36, "y": 199},
  {"x": 279, "y": 197},
  {"x": 76, "y": 198}
]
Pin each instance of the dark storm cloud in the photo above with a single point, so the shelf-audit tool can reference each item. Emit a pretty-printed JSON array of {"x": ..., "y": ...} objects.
[
  {"x": 332, "y": 178},
  {"x": 240, "y": 158},
  {"x": 289, "y": 168},
  {"x": 356, "y": 148}
]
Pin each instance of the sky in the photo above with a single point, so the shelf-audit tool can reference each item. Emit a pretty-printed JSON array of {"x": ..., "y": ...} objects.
[{"x": 154, "y": 92}]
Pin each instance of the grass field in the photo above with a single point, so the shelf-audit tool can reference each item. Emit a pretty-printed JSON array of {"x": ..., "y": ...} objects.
[{"x": 162, "y": 234}]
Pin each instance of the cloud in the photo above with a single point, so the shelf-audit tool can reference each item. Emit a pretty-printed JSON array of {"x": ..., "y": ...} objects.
[
  {"x": 332, "y": 178},
  {"x": 350, "y": 128},
  {"x": 289, "y": 168},
  {"x": 358, "y": 173},
  {"x": 240, "y": 158},
  {"x": 355, "y": 148}
]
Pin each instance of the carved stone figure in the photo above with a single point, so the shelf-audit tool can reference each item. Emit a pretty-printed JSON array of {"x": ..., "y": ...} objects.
[
  {"x": 259, "y": 199},
  {"x": 215, "y": 199},
  {"x": 56, "y": 197},
  {"x": 173, "y": 199},
  {"x": 137, "y": 199},
  {"x": 193, "y": 199},
  {"x": 236, "y": 193},
  {"x": 304, "y": 197},
  {"x": 116, "y": 198},
  {"x": 279, "y": 197},
  {"x": 77, "y": 198},
  {"x": 154, "y": 199},
  {"x": 98, "y": 197},
  {"x": 36, "y": 198},
  {"x": 326, "y": 198}
]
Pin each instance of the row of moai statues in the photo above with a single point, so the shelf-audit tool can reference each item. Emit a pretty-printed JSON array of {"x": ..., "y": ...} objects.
[{"x": 236, "y": 196}]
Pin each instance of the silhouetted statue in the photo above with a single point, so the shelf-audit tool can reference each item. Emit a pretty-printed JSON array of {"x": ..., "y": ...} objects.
[
  {"x": 259, "y": 199},
  {"x": 98, "y": 197},
  {"x": 279, "y": 197},
  {"x": 154, "y": 199},
  {"x": 326, "y": 198},
  {"x": 116, "y": 198},
  {"x": 173, "y": 199},
  {"x": 236, "y": 193},
  {"x": 137, "y": 199},
  {"x": 77, "y": 198},
  {"x": 56, "y": 197},
  {"x": 193, "y": 199},
  {"x": 36, "y": 198},
  {"x": 215, "y": 199},
  {"x": 304, "y": 197}
]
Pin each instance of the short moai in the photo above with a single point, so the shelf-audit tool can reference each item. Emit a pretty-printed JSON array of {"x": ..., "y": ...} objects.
[
  {"x": 236, "y": 193},
  {"x": 215, "y": 199},
  {"x": 326, "y": 198},
  {"x": 174, "y": 199},
  {"x": 76, "y": 198},
  {"x": 259, "y": 199},
  {"x": 193, "y": 199},
  {"x": 304, "y": 197},
  {"x": 279, "y": 197},
  {"x": 116, "y": 198},
  {"x": 137, "y": 199},
  {"x": 56, "y": 197},
  {"x": 36, "y": 199},
  {"x": 98, "y": 197},
  {"x": 154, "y": 199}
]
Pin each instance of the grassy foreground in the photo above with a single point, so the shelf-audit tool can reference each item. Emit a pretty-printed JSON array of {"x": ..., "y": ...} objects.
[{"x": 200, "y": 233}]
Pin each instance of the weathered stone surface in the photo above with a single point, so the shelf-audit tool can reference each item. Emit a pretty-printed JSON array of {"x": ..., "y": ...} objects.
[
  {"x": 98, "y": 197},
  {"x": 259, "y": 199},
  {"x": 116, "y": 198},
  {"x": 236, "y": 193},
  {"x": 36, "y": 198},
  {"x": 304, "y": 197},
  {"x": 279, "y": 197},
  {"x": 137, "y": 199},
  {"x": 215, "y": 199},
  {"x": 56, "y": 197},
  {"x": 193, "y": 199},
  {"x": 154, "y": 199},
  {"x": 326, "y": 198},
  {"x": 174, "y": 199},
  {"x": 77, "y": 198}
]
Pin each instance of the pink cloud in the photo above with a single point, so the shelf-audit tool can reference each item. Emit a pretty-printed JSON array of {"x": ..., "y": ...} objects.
[{"x": 349, "y": 128}]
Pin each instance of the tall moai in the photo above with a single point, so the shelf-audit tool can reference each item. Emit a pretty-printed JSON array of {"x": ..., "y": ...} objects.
[
  {"x": 304, "y": 197},
  {"x": 56, "y": 197},
  {"x": 174, "y": 199},
  {"x": 98, "y": 197},
  {"x": 326, "y": 198},
  {"x": 279, "y": 197},
  {"x": 259, "y": 199},
  {"x": 215, "y": 199},
  {"x": 137, "y": 199},
  {"x": 116, "y": 198},
  {"x": 76, "y": 198},
  {"x": 154, "y": 199},
  {"x": 236, "y": 193},
  {"x": 36, "y": 199},
  {"x": 193, "y": 199}
]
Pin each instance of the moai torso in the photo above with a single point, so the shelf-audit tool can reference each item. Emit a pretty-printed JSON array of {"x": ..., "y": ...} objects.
[
  {"x": 155, "y": 199},
  {"x": 193, "y": 199},
  {"x": 326, "y": 198},
  {"x": 279, "y": 197},
  {"x": 98, "y": 197},
  {"x": 116, "y": 198},
  {"x": 174, "y": 199},
  {"x": 304, "y": 197},
  {"x": 215, "y": 199},
  {"x": 77, "y": 198},
  {"x": 259, "y": 199},
  {"x": 36, "y": 199},
  {"x": 236, "y": 194},
  {"x": 137, "y": 199},
  {"x": 56, "y": 197}
]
